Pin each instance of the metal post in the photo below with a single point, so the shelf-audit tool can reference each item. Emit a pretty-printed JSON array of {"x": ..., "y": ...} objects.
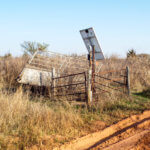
[
  {"x": 128, "y": 80},
  {"x": 53, "y": 82},
  {"x": 41, "y": 78},
  {"x": 93, "y": 68},
  {"x": 91, "y": 76},
  {"x": 85, "y": 86},
  {"x": 89, "y": 90}
]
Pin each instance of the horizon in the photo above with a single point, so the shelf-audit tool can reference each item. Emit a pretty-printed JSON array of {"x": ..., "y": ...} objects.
[{"x": 119, "y": 25}]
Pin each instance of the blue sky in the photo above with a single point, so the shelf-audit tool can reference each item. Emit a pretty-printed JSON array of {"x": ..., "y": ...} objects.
[{"x": 119, "y": 24}]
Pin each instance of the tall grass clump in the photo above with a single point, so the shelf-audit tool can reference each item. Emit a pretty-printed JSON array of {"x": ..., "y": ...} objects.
[
  {"x": 24, "y": 123},
  {"x": 10, "y": 68}
]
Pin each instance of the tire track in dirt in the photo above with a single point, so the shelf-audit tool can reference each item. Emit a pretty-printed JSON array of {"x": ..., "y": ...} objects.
[
  {"x": 128, "y": 143},
  {"x": 111, "y": 135},
  {"x": 124, "y": 135}
]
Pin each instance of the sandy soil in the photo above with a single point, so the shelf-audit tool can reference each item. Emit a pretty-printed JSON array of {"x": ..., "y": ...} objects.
[
  {"x": 132, "y": 133},
  {"x": 143, "y": 143}
]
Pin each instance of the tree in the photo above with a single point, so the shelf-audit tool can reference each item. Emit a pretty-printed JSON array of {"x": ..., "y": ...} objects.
[
  {"x": 8, "y": 55},
  {"x": 31, "y": 47},
  {"x": 131, "y": 53}
]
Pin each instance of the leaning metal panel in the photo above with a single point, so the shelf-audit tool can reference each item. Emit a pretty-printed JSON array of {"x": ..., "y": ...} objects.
[
  {"x": 63, "y": 64},
  {"x": 41, "y": 65}
]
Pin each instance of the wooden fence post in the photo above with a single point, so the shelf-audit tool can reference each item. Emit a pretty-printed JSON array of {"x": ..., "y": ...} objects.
[
  {"x": 53, "y": 82},
  {"x": 89, "y": 89},
  {"x": 85, "y": 78},
  {"x": 128, "y": 79}
]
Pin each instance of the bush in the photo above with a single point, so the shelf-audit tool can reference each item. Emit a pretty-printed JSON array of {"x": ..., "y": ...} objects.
[{"x": 131, "y": 53}]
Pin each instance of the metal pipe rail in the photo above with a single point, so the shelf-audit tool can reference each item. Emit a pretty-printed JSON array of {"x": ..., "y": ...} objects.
[
  {"x": 108, "y": 86},
  {"x": 111, "y": 71},
  {"x": 110, "y": 79},
  {"x": 69, "y": 85},
  {"x": 70, "y": 75},
  {"x": 71, "y": 94}
]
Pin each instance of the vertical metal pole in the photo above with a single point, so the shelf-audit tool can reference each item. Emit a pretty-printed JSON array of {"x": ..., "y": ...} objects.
[
  {"x": 128, "y": 80},
  {"x": 89, "y": 73},
  {"x": 93, "y": 68},
  {"x": 89, "y": 90},
  {"x": 53, "y": 82},
  {"x": 91, "y": 76},
  {"x": 124, "y": 80},
  {"x": 41, "y": 79},
  {"x": 85, "y": 86}
]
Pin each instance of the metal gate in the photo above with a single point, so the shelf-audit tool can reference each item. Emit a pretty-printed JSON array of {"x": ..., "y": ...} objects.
[
  {"x": 113, "y": 81},
  {"x": 72, "y": 87}
]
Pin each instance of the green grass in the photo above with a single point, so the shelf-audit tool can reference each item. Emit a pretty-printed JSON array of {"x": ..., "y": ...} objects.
[
  {"x": 144, "y": 94},
  {"x": 115, "y": 111}
]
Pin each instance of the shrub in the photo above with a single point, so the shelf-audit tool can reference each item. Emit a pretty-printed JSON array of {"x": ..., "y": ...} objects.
[{"x": 131, "y": 53}]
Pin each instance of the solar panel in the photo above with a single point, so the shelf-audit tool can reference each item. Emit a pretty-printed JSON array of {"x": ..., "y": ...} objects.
[{"x": 90, "y": 39}]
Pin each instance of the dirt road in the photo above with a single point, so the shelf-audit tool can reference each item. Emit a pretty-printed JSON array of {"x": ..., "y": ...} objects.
[{"x": 132, "y": 133}]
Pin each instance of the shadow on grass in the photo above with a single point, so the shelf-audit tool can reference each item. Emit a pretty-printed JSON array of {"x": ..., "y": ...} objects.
[{"x": 145, "y": 93}]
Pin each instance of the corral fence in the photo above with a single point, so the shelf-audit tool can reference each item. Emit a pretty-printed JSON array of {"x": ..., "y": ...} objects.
[
  {"x": 72, "y": 86},
  {"x": 113, "y": 81},
  {"x": 87, "y": 88},
  {"x": 73, "y": 77}
]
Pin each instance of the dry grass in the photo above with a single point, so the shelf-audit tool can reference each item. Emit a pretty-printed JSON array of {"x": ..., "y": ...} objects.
[
  {"x": 139, "y": 70},
  {"x": 10, "y": 68},
  {"x": 139, "y": 66},
  {"x": 26, "y": 122},
  {"x": 38, "y": 123}
]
